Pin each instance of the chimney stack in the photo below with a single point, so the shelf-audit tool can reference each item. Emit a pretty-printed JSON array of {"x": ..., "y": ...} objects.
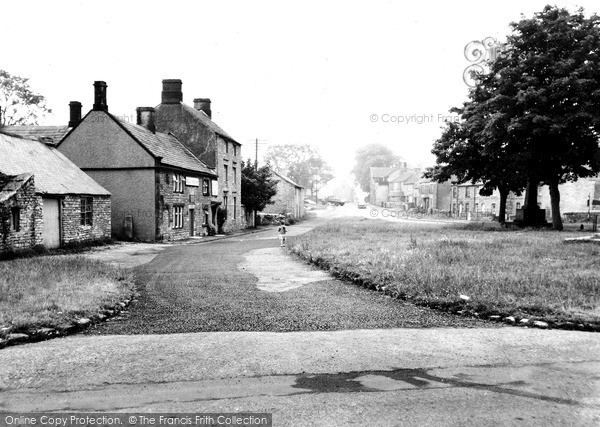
[
  {"x": 100, "y": 96},
  {"x": 171, "y": 93},
  {"x": 203, "y": 104},
  {"x": 75, "y": 113},
  {"x": 145, "y": 118}
]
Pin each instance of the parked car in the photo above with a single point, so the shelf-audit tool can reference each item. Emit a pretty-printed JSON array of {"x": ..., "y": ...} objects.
[
  {"x": 335, "y": 202},
  {"x": 361, "y": 205}
]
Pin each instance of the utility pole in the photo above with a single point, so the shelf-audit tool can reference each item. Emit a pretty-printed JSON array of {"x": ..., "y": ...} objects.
[{"x": 256, "y": 141}]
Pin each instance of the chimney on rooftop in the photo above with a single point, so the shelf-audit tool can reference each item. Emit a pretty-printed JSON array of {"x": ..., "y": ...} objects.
[
  {"x": 100, "y": 96},
  {"x": 75, "y": 113},
  {"x": 203, "y": 104},
  {"x": 171, "y": 92},
  {"x": 145, "y": 118}
]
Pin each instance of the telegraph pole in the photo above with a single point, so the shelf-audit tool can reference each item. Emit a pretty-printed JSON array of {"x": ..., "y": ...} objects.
[{"x": 256, "y": 142}]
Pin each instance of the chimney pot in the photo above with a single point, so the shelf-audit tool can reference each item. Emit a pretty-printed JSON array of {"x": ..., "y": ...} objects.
[
  {"x": 100, "y": 96},
  {"x": 203, "y": 104},
  {"x": 171, "y": 93},
  {"x": 75, "y": 113},
  {"x": 145, "y": 118}
]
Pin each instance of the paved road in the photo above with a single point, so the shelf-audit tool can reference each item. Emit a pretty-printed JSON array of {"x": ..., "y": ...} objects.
[
  {"x": 355, "y": 376},
  {"x": 249, "y": 283}
]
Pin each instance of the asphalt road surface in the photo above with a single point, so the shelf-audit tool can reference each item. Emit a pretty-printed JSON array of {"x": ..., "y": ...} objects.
[{"x": 347, "y": 360}]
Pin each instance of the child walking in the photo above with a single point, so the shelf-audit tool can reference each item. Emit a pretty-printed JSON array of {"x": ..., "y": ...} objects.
[{"x": 282, "y": 232}]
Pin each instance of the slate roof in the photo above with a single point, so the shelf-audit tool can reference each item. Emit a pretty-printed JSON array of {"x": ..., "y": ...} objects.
[
  {"x": 285, "y": 178},
  {"x": 9, "y": 185},
  {"x": 405, "y": 177},
  {"x": 54, "y": 173},
  {"x": 46, "y": 134},
  {"x": 165, "y": 146},
  {"x": 207, "y": 121},
  {"x": 379, "y": 172}
]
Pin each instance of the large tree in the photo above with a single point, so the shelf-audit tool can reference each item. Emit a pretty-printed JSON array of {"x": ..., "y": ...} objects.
[
  {"x": 19, "y": 105},
  {"x": 546, "y": 87},
  {"x": 258, "y": 187},
  {"x": 371, "y": 155},
  {"x": 301, "y": 163}
]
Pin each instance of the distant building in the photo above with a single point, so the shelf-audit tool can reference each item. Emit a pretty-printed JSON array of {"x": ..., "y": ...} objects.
[
  {"x": 401, "y": 183},
  {"x": 289, "y": 199},
  {"x": 45, "y": 199},
  {"x": 467, "y": 203},
  {"x": 161, "y": 191},
  {"x": 432, "y": 196},
  {"x": 196, "y": 130},
  {"x": 378, "y": 185}
]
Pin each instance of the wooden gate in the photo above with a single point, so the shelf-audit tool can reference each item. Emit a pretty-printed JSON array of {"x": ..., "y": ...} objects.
[{"x": 51, "y": 212}]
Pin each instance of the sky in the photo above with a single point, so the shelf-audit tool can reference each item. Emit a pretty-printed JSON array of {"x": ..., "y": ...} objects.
[{"x": 334, "y": 74}]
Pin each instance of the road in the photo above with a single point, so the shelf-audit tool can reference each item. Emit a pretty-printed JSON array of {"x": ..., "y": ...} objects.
[{"x": 351, "y": 373}]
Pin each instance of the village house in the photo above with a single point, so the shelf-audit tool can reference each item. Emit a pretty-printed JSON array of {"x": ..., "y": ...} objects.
[
  {"x": 432, "y": 196},
  {"x": 194, "y": 127},
  {"x": 378, "y": 185},
  {"x": 578, "y": 199},
  {"x": 401, "y": 183},
  {"x": 289, "y": 200},
  {"x": 45, "y": 199},
  {"x": 160, "y": 190},
  {"x": 467, "y": 203}
]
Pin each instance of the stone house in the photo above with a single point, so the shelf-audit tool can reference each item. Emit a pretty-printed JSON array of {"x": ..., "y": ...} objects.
[
  {"x": 577, "y": 199},
  {"x": 160, "y": 190},
  {"x": 401, "y": 183},
  {"x": 45, "y": 199},
  {"x": 378, "y": 185},
  {"x": 431, "y": 196},
  {"x": 289, "y": 199},
  {"x": 467, "y": 203},
  {"x": 194, "y": 127}
]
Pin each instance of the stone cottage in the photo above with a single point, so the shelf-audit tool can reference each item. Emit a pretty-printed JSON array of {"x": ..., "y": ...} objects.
[
  {"x": 401, "y": 184},
  {"x": 45, "y": 199},
  {"x": 194, "y": 127},
  {"x": 289, "y": 199},
  {"x": 160, "y": 190},
  {"x": 432, "y": 196}
]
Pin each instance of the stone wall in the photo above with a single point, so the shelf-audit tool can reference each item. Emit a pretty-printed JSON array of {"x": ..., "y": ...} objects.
[
  {"x": 73, "y": 231},
  {"x": 286, "y": 200},
  {"x": 31, "y": 224},
  {"x": 191, "y": 199}
]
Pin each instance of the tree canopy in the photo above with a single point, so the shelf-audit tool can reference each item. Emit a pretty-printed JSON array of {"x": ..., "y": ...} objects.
[
  {"x": 371, "y": 155},
  {"x": 258, "y": 186},
  {"x": 301, "y": 163},
  {"x": 533, "y": 118},
  {"x": 19, "y": 105}
]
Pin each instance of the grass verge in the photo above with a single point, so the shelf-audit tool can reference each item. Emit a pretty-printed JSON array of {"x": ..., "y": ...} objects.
[
  {"x": 51, "y": 291},
  {"x": 522, "y": 273}
]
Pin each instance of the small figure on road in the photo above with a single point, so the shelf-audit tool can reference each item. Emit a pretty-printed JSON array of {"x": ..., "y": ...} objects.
[{"x": 282, "y": 232}]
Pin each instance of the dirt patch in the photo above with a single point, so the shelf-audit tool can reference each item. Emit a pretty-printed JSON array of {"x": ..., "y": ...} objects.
[{"x": 127, "y": 254}]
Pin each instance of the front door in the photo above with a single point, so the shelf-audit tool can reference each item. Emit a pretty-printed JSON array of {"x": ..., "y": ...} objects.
[
  {"x": 51, "y": 216},
  {"x": 192, "y": 222}
]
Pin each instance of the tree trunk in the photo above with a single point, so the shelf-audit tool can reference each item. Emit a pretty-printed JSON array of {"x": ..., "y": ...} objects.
[
  {"x": 555, "y": 203},
  {"x": 502, "y": 211},
  {"x": 531, "y": 208}
]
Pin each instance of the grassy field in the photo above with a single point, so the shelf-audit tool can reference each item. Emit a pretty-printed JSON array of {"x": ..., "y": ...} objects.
[
  {"x": 524, "y": 273},
  {"x": 51, "y": 290}
]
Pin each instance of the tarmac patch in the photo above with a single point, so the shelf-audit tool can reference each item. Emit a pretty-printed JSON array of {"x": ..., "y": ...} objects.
[{"x": 278, "y": 272}]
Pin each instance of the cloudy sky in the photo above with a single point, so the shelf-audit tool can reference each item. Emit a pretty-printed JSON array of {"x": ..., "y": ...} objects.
[{"x": 333, "y": 74}]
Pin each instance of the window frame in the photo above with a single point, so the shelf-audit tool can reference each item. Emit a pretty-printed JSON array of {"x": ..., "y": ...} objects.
[
  {"x": 177, "y": 216},
  {"x": 226, "y": 173},
  {"x": 86, "y": 206},
  {"x": 205, "y": 187},
  {"x": 178, "y": 183},
  {"x": 15, "y": 219}
]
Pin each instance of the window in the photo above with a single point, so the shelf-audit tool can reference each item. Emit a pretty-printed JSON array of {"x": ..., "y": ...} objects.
[
  {"x": 225, "y": 202},
  {"x": 483, "y": 207},
  {"x": 227, "y": 146},
  {"x": 178, "y": 183},
  {"x": 234, "y": 170},
  {"x": 476, "y": 207},
  {"x": 467, "y": 192},
  {"x": 226, "y": 171},
  {"x": 16, "y": 219},
  {"x": 453, "y": 207},
  {"x": 234, "y": 150},
  {"x": 205, "y": 188},
  {"x": 234, "y": 208},
  {"x": 205, "y": 218},
  {"x": 466, "y": 207},
  {"x": 177, "y": 216},
  {"x": 454, "y": 191},
  {"x": 87, "y": 210},
  {"x": 494, "y": 208},
  {"x": 518, "y": 205}
]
